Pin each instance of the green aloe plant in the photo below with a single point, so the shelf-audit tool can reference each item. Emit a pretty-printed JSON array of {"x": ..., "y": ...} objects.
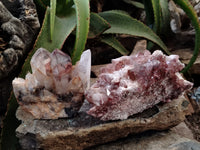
[
  {"x": 160, "y": 21},
  {"x": 83, "y": 18},
  {"x": 52, "y": 17},
  {"x": 109, "y": 22},
  {"x": 100, "y": 26},
  {"x": 129, "y": 25}
]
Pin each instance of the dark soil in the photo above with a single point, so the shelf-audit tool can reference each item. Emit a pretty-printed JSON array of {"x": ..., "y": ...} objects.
[{"x": 193, "y": 121}]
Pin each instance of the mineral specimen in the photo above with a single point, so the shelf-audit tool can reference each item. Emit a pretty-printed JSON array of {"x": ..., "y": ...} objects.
[
  {"x": 131, "y": 84},
  {"x": 55, "y": 88}
]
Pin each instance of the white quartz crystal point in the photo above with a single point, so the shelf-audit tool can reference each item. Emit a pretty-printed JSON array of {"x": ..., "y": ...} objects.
[
  {"x": 60, "y": 63},
  {"x": 19, "y": 85},
  {"x": 41, "y": 68},
  {"x": 31, "y": 82},
  {"x": 61, "y": 68},
  {"x": 41, "y": 60},
  {"x": 84, "y": 68}
]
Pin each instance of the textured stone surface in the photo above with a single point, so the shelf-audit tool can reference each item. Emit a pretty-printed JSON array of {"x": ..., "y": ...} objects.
[
  {"x": 131, "y": 84},
  {"x": 185, "y": 56},
  {"x": 84, "y": 131},
  {"x": 18, "y": 31},
  {"x": 152, "y": 141},
  {"x": 180, "y": 23},
  {"x": 55, "y": 88},
  {"x": 183, "y": 127},
  {"x": 193, "y": 121},
  {"x": 140, "y": 46},
  {"x": 19, "y": 26}
]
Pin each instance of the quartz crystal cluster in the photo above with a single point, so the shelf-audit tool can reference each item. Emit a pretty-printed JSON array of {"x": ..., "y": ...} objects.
[
  {"x": 131, "y": 84},
  {"x": 55, "y": 88}
]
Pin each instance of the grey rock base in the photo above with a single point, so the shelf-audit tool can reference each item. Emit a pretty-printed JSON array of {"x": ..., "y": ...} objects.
[{"x": 84, "y": 131}]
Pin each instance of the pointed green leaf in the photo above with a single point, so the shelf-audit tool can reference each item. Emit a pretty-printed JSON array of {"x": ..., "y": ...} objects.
[
  {"x": 97, "y": 25},
  {"x": 189, "y": 10},
  {"x": 63, "y": 27},
  {"x": 124, "y": 24},
  {"x": 149, "y": 12},
  {"x": 113, "y": 42},
  {"x": 82, "y": 29},
  {"x": 135, "y": 3},
  {"x": 157, "y": 15},
  {"x": 165, "y": 19},
  {"x": 52, "y": 16},
  {"x": 157, "y": 19},
  {"x": 63, "y": 6}
]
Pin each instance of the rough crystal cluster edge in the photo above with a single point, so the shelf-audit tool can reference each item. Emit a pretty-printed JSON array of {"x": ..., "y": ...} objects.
[
  {"x": 55, "y": 88},
  {"x": 131, "y": 84}
]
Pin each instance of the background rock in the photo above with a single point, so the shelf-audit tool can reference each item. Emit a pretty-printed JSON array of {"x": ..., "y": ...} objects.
[
  {"x": 193, "y": 121},
  {"x": 183, "y": 130},
  {"x": 166, "y": 140},
  {"x": 185, "y": 56},
  {"x": 19, "y": 26}
]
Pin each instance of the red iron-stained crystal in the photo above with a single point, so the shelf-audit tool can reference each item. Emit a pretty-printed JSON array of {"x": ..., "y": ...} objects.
[{"x": 131, "y": 84}]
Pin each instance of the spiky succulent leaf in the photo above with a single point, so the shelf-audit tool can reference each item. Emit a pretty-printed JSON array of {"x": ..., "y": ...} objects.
[
  {"x": 122, "y": 23},
  {"x": 113, "y": 42},
  {"x": 165, "y": 19},
  {"x": 97, "y": 25},
  {"x": 134, "y": 3},
  {"x": 82, "y": 29},
  {"x": 52, "y": 16}
]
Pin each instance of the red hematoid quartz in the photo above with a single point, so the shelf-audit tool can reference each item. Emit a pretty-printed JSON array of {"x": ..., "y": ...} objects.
[{"x": 131, "y": 84}]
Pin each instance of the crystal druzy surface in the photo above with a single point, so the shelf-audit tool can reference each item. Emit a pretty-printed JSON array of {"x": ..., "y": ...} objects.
[
  {"x": 131, "y": 84},
  {"x": 55, "y": 88}
]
